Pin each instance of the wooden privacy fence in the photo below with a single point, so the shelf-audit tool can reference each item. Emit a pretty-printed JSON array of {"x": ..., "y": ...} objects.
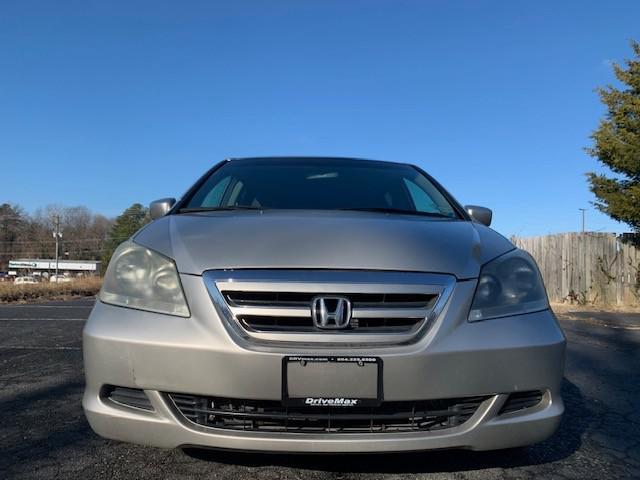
[{"x": 595, "y": 268}]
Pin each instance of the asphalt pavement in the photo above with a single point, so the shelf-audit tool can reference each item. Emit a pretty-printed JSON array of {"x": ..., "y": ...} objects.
[{"x": 43, "y": 432}]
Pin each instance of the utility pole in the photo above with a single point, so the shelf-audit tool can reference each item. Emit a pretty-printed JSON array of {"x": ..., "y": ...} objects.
[
  {"x": 582, "y": 210},
  {"x": 57, "y": 235}
]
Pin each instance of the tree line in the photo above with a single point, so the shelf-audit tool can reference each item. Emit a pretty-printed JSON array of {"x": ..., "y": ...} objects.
[{"x": 85, "y": 235}]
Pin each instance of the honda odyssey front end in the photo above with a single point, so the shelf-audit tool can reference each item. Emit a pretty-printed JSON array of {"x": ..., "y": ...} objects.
[{"x": 322, "y": 305}]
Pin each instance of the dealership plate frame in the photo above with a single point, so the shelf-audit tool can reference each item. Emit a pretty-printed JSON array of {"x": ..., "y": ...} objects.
[{"x": 361, "y": 401}]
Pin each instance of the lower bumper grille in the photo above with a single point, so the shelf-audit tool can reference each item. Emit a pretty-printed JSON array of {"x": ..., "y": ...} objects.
[
  {"x": 272, "y": 416},
  {"x": 521, "y": 400},
  {"x": 128, "y": 397}
]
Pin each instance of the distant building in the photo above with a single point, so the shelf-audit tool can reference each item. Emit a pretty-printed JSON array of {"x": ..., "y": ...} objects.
[{"x": 46, "y": 267}]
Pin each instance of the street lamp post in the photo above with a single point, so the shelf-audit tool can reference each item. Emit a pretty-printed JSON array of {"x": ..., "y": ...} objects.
[
  {"x": 582, "y": 210},
  {"x": 57, "y": 235}
]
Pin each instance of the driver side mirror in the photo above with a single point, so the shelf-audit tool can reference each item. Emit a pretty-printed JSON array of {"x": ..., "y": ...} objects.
[
  {"x": 159, "y": 208},
  {"x": 479, "y": 214}
]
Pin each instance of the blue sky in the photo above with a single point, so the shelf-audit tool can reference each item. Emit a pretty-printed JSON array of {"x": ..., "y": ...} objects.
[{"x": 107, "y": 103}]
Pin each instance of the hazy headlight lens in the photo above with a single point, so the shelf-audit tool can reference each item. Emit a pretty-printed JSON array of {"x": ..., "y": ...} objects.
[
  {"x": 509, "y": 285},
  {"x": 141, "y": 278}
]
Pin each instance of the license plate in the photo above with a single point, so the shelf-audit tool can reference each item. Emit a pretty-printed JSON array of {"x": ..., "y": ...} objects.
[{"x": 328, "y": 381}]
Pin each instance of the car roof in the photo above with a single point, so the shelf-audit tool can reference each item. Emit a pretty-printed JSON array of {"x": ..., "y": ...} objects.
[{"x": 302, "y": 158}]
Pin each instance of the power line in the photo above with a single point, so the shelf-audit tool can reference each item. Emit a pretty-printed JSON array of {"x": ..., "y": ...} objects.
[
  {"x": 50, "y": 252},
  {"x": 79, "y": 240}
]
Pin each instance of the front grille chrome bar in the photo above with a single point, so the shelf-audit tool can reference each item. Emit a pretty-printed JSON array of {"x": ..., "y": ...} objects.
[
  {"x": 304, "y": 312},
  {"x": 274, "y": 306}
]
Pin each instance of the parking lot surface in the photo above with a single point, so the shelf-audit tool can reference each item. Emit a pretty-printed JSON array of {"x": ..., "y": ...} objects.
[{"x": 43, "y": 432}]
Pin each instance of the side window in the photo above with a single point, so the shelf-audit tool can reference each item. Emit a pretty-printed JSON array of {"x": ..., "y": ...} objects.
[
  {"x": 421, "y": 199},
  {"x": 214, "y": 197}
]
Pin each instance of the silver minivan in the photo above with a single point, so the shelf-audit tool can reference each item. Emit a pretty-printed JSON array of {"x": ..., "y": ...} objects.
[{"x": 322, "y": 305}]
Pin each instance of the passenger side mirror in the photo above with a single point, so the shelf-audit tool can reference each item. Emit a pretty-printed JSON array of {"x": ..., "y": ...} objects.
[
  {"x": 479, "y": 214},
  {"x": 159, "y": 208}
]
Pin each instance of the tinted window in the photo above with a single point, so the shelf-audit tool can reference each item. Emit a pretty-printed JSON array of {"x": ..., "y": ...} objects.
[
  {"x": 320, "y": 184},
  {"x": 421, "y": 199}
]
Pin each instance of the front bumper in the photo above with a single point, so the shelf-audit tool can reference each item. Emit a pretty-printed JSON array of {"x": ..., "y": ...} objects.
[{"x": 160, "y": 353}]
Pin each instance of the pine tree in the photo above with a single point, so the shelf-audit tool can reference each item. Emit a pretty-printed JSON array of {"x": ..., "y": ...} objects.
[
  {"x": 12, "y": 224},
  {"x": 128, "y": 223},
  {"x": 617, "y": 146}
]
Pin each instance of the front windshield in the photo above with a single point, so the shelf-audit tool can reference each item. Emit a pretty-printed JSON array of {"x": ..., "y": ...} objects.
[{"x": 320, "y": 184}]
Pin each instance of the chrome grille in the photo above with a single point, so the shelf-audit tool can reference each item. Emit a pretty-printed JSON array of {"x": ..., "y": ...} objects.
[
  {"x": 275, "y": 305},
  {"x": 371, "y": 311},
  {"x": 302, "y": 299},
  {"x": 261, "y": 323}
]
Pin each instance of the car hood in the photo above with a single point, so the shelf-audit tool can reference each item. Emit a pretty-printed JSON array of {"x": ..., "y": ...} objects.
[{"x": 322, "y": 240}]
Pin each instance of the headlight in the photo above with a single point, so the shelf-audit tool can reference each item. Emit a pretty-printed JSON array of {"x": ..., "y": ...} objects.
[
  {"x": 141, "y": 278},
  {"x": 509, "y": 285}
]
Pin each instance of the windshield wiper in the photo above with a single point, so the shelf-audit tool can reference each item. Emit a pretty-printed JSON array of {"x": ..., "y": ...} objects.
[
  {"x": 400, "y": 211},
  {"x": 218, "y": 209}
]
